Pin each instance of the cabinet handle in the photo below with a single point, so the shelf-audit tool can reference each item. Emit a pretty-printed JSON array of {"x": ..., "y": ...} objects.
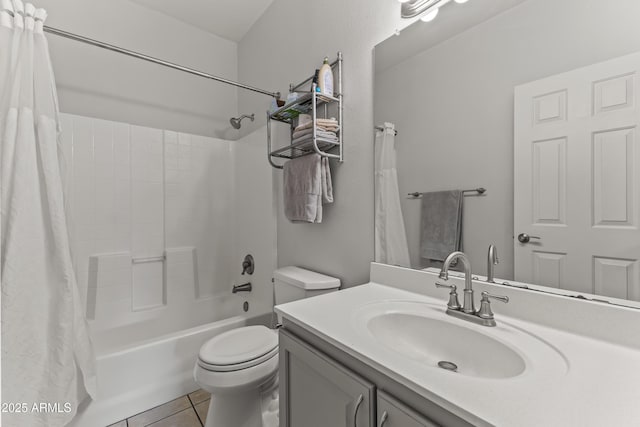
[
  {"x": 355, "y": 411},
  {"x": 383, "y": 419}
]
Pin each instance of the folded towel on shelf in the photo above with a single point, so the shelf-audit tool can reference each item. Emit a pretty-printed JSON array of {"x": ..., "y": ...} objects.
[
  {"x": 329, "y": 122},
  {"x": 308, "y": 138},
  {"x": 319, "y": 132},
  {"x": 307, "y": 185},
  {"x": 304, "y": 119},
  {"x": 441, "y": 224},
  {"x": 324, "y": 124},
  {"x": 334, "y": 129},
  {"x": 300, "y": 128}
]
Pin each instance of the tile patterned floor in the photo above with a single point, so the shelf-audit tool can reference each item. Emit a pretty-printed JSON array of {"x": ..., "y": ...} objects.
[{"x": 185, "y": 411}]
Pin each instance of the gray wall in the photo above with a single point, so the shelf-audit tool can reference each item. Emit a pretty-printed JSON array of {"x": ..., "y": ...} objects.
[
  {"x": 285, "y": 46},
  {"x": 453, "y": 106},
  {"x": 98, "y": 83}
]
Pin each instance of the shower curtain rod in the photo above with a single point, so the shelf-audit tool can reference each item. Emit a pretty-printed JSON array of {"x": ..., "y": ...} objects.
[{"x": 148, "y": 58}]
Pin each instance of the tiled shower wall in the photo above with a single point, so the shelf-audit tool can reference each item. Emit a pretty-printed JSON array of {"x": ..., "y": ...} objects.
[{"x": 136, "y": 195}]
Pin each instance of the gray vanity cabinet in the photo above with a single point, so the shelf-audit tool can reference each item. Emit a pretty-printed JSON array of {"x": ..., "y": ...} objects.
[
  {"x": 323, "y": 386},
  {"x": 392, "y": 413},
  {"x": 317, "y": 392}
]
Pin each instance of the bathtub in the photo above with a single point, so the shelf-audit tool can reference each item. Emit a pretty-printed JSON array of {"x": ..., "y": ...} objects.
[{"x": 134, "y": 377}]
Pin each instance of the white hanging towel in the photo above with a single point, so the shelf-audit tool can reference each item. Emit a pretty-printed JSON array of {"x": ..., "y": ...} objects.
[
  {"x": 390, "y": 235},
  {"x": 47, "y": 356}
]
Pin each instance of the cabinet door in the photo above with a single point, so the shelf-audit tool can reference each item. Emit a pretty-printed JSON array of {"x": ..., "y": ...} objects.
[
  {"x": 315, "y": 391},
  {"x": 392, "y": 413}
]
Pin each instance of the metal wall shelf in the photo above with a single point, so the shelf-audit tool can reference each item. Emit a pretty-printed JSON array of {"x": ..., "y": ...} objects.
[
  {"x": 302, "y": 105},
  {"x": 309, "y": 103},
  {"x": 305, "y": 147}
]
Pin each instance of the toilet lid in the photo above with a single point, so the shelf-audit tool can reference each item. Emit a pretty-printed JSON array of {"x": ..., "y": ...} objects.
[{"x": 238, "y": 346}]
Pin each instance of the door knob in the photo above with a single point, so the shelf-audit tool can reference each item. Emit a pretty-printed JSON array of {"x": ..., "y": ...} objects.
[{"x": 525, "y": 238}]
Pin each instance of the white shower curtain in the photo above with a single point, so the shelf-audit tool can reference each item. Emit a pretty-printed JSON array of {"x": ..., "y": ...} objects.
[
  {"x": 390, "y": 235},
  {"x": 47, "y": 358}
]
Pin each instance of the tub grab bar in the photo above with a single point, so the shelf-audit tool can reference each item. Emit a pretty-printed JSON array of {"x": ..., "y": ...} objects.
[{"x": 148, "y": 259}]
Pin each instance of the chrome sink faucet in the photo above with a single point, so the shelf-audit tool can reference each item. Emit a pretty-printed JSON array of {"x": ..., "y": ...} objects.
[
  {"x": 468, "y": 305},
  {"x": 492, "y": 261},
  {"x": 484, "y": 316}
]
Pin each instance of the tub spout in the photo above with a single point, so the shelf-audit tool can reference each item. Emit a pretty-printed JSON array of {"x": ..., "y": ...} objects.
[{"x": 242, "y": 288}]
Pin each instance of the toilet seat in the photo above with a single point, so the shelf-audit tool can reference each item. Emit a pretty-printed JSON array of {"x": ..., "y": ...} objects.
[
  {"x": 238, "y": 349},
  {"x": 241, "y": 380},
  {"x": 238, "y": 366},
  {"x": 238, "y": 361}
]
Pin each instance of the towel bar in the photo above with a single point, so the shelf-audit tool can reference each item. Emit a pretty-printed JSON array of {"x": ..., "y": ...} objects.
[
  {"x": 381, "y": 129},
  {"x": 475, "y": 190}
]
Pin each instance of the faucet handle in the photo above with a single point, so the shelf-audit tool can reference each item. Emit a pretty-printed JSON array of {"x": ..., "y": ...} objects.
[
  {"x": 248, "y": 265},
  {"x": 485, "y": 304},
  {"x": 486, "y": 295},
  {"x": 453, "y": 303}
]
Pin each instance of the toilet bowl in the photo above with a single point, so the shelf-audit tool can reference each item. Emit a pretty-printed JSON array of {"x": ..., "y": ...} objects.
[
  {"x": 240, "y": 367},
  {"x": 240, "y": 370}
]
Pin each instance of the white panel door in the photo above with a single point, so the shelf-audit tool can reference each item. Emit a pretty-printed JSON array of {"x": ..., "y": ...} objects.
[{"x": 576, "y": 173}]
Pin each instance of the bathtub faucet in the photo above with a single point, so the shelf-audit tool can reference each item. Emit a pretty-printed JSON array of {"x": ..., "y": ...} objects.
[
  {"x": 248, "y": 265},
  {"x": 242, "y": 288}
]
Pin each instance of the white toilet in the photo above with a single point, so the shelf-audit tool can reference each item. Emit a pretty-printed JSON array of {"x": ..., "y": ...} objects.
[{"x": 240, "y": 367}]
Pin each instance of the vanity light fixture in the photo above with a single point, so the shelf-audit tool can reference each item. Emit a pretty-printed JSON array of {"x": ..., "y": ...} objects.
[{"x": 427, "y": 10}]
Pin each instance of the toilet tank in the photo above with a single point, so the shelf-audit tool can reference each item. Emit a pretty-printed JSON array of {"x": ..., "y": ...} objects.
[{"x": 294, "y": 283}]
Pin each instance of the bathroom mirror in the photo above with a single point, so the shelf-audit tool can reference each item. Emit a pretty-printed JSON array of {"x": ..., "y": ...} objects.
[{"x": 537, "y": 102}]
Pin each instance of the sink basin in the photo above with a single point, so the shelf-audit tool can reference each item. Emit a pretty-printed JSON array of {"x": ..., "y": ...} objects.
[
  {"x": 432, "y": 341},
  {"x": 423, "y": 334}
]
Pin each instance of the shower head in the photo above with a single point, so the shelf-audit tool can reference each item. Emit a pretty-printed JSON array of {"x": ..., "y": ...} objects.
[{"x": 235, "y": 121}]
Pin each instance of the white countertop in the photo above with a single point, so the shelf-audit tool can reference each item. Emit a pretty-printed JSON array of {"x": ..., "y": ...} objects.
[{"x": 598, "y": 386}]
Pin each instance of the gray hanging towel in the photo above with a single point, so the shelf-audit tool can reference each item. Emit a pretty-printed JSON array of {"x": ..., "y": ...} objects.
[
  {"x": 441, "y": 224},
  {"x": 307, "y": 186}
]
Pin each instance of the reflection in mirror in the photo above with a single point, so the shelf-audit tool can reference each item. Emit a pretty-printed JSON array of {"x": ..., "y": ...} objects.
[{"x": 537, "y": 102}]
